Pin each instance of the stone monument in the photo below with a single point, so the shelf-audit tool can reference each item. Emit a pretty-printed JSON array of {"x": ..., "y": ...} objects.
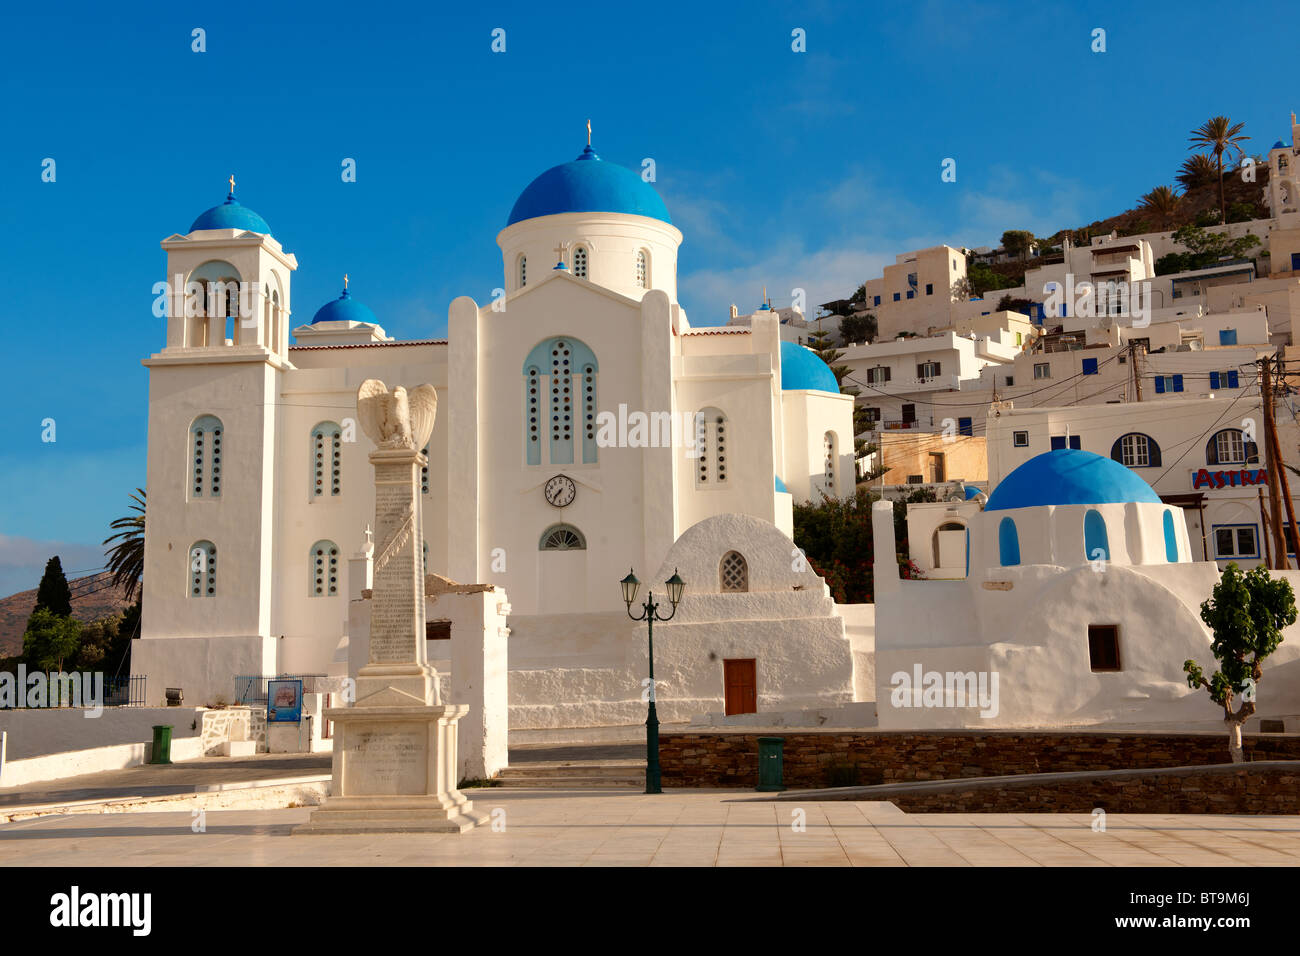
[{"x": 395, "y": 748}]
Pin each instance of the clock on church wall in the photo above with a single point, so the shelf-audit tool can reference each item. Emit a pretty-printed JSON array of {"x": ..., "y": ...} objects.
[{"x": 560, "y": 491}]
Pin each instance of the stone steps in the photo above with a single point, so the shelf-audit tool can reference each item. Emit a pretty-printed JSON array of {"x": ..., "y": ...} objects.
[{"x": 568, "y": 775}]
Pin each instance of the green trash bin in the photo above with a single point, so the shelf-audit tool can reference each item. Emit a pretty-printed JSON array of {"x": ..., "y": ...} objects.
[
  {"x": 770, "y": 756},
  {"x": 162, "y": 744}
]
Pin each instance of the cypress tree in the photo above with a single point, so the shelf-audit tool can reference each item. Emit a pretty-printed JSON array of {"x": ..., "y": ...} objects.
[{"x": 54, "y": 595}]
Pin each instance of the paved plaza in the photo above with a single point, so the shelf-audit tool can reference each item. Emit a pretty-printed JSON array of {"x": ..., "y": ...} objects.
[{"x": 678, "y": 828}]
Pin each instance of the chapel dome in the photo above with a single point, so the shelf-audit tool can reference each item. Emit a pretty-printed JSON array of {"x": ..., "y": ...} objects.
[
  {"x": 1069, "y": 476},
  {"x": 802, "y": 368},
  {"x": 231, "y": 215},
  {"x": 344, "y": 309},
  {"x": 588, "y": 184}
]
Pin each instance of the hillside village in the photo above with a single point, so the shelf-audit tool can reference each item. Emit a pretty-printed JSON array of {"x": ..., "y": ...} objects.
[{"x": 1145, "y": 345}]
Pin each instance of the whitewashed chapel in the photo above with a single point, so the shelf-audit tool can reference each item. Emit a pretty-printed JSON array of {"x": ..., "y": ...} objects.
[{"x": 544, "y": 480}]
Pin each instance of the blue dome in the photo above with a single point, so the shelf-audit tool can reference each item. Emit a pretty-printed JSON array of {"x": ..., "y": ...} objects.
[
  {"x": 1279, "y": 145},
  {"x": 231, "y": 215},
  {"x": 971, "y": 492},
  {"x": 588, "y": 184},
  {"x": 344, "y": 309},
  {"x": 802, "y": 368},
  {"x": 780, "y": 485},
  {"x": 1069, "y": 476}
]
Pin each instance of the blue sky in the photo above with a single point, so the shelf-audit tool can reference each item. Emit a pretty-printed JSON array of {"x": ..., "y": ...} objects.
[{"x": 782, "y": 169}]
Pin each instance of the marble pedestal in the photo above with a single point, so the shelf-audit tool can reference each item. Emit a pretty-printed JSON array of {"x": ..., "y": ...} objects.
[{"x": 395, "y": 772}]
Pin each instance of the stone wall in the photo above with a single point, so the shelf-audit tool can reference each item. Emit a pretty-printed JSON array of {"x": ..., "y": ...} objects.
[
  {"x": 1267, "y": 787},
  {"x": 814, "y": 759}
]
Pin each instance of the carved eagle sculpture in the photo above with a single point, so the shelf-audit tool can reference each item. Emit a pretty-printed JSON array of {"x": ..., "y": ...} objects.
[{"x": 396, "y": 419}]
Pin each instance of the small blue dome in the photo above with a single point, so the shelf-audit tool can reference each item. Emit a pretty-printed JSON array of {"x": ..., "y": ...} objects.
[
  {"x": 1279, "y": 145},
  {"x": 780, "y": 485},
  {"x": 1069, "y": 476},
  {"x": 801, "y": 368},
  {"x": 344, "y": 309},
  {"x": 971, "y": 492},
  {"x": 231, "y": 215},
  {"x": 588, "y": 184}
]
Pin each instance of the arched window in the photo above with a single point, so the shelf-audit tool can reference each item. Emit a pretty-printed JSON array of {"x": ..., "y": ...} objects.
[
  {"x": 733, "y": 572},
  {"x": 1096, "y": 545},
  {"x": 326, "y": 459},
  {"x": 1008, "y": 543},
  {"x": 562, "y": 537},
  {"x": 642, "y": 270},
  {"x": 1229, "y": 447},
  {"x": 203, "y": 569},
  {"x": 1136, "y": 450},
  {"x": 580, "y": 261},
  {"x": 324, "y": 563},
  {"x": 212, "y": 292},
  {"x": 424, "y": 471},
  {"x": 565, "y": 370},
  {"x": 828, "y": 453},
  {"x": 523, "y": 271},
  {"x": 273, "y": 343},
  {"x": 711, "y": 447},
  {"x": 205, "y": 464},
  {"x": 1171, "y": 539}
]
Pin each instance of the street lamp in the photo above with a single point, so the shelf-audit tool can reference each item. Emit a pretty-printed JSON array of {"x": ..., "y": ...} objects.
[{"x": 649, "y": 614}]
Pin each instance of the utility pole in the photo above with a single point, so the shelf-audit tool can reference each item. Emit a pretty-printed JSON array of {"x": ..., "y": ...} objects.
[
  {"x": 1272, "y": 464},
  {"x": 1292, "y": 532},
  {"x": 1137, "y": 375}
]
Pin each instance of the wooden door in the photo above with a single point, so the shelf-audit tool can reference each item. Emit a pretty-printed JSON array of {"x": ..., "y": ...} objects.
[{"x": 740, "y": 682}]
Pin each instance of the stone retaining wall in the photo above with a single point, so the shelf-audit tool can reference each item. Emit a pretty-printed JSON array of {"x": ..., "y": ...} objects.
[
  {"x": 1271, "y": 788},
  {"x": 861, "y": 758}
]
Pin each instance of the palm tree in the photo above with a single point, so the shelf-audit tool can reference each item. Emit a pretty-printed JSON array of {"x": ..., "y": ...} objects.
[
  {"x": 1163, "y": 202},
  {"x": 1221, "y": 135},
  {"x": 1197, "y": 171},
  {"x": 126, "y": 558}
]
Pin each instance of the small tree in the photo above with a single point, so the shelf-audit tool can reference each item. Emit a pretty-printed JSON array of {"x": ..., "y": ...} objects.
[
  {"x": 1017, "y": 242},
  {"x": 50, "y": 639},
  {"x": 857, "y": 328},
  {"x": 1246, "y": 614}
]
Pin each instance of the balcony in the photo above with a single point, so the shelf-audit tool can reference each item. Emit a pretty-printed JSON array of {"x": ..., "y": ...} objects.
[{"x": 907, "y": 385}]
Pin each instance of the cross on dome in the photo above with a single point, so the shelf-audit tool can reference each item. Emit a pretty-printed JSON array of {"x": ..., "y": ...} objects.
[{"x": 232, "y": 185}]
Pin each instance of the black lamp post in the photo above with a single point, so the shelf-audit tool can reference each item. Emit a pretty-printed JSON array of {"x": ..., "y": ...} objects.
[{"x": 649, "y": 614}]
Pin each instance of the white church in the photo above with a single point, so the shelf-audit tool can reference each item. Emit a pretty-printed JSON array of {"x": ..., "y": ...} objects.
[{"x": 583, "y": 427}]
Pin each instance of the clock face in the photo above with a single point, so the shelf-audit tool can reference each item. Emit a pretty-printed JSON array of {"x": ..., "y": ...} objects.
[{"x": 560, "y": 490}]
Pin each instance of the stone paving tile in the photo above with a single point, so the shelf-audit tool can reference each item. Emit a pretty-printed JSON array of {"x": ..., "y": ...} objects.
[{"x": 680, "y": 828}]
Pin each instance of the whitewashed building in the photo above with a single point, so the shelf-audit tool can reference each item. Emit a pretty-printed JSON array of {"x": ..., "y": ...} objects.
[{"x": 583, "y": 427}]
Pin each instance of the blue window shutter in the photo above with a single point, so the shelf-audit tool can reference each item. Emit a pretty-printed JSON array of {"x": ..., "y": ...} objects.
[
  {"x": 964, "y": 426},
  {"x": 1178, "y": 383},
  {"x": 1058, "y": 442},
  {"x": 1232, "y": 380},
  {"x": 1075, "y": 442},
  {"x": 1160, "y": 383},
  {"x": 1214, "y": 380},
  {"x": 1090, "y": 366},
  {"x": 1227, "y": 336}
]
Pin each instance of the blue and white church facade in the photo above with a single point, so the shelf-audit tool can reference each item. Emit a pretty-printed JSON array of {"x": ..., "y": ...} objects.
[{"x": 584, "y": 426}]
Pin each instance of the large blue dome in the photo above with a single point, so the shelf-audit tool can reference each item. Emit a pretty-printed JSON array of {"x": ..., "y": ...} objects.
[
  {"x": 588, "y": 184},
  {"x": 802, "y": 368},
  {"x": 231, "y": 215},
  {"x": 1069, "y": 476},
  {"x": 344, "y": 309}
]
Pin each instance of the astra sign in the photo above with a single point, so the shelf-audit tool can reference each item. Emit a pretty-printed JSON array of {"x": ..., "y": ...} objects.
[{"x": 1229, "y": 479}]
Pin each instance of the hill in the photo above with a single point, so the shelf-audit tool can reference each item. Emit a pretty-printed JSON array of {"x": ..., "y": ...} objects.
[{"x": 93, "y": 597}]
